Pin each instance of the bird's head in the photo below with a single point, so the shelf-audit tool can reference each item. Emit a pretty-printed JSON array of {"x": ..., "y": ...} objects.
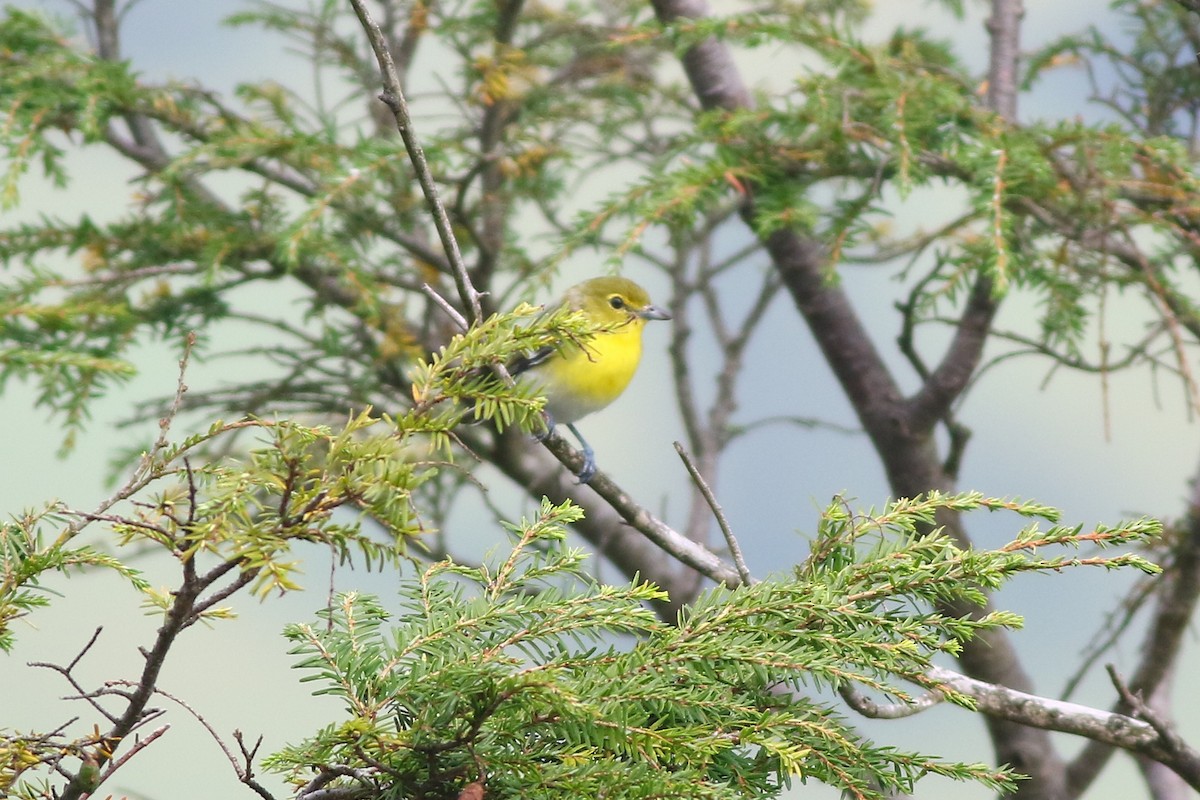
[{"x": 614, "y": 301}]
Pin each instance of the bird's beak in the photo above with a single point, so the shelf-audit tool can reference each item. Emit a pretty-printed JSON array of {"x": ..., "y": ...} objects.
[{"x": 653, "y": 312}]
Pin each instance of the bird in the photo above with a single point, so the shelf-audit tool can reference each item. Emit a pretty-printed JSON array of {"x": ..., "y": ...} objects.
[{"x": 580, "y": 378}]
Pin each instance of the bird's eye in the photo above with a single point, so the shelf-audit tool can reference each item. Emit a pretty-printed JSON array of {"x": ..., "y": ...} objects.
[{"x": 616, "y": 301}]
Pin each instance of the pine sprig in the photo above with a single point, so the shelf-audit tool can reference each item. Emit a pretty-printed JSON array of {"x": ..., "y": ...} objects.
[
  {"x": 303, "y": 484},
  {"x": 552, "y": 702},
  {"x": 25, "y": 556},
  {"x": 497, "y": 673},
  {"x": 460, "y": 376}
]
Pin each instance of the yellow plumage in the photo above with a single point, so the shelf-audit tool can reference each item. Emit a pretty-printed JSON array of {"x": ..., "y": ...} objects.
[{"x": 579, "y": 380}]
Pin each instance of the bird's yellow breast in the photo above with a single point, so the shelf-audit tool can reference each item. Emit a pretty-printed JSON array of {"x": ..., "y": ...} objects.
[{"x": 578, "y": 381}]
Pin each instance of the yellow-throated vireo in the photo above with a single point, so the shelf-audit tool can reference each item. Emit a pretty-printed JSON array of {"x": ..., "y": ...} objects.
[{"x": 579, "y": 378}]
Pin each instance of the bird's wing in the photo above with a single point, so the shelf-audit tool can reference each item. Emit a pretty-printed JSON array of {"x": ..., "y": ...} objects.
[{"x": 526, "y": 362}]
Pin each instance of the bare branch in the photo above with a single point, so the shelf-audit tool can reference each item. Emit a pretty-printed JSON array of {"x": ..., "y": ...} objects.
[
  {"x": 869, "y": 708},
  {"x": 1180, "y": 757},
  {"x": 66, "y": 672},
  {"x": 1179, "y": 594},
  {"x": 245, "y": 773},
  {"x": 961, "y": 361},
  {"x": 735, "y": 549},
  {"x": 315, "y": 789},
  {"x": 622, "y": 531},
  {"x": 445, "y": 306},
  {"x": 668, "y": 539},
  {"x": 141, "y": 744},
  {"x": 1116, "y": 730},
  {"x": 709, "y": 65},
  {"x": 108, "y": 47},
  {"x": 1162, "y": 783},
  {"x": 393, "y": 96}
]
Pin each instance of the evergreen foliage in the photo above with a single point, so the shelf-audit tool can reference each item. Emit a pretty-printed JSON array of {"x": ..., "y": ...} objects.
[
  {"x": 558, "y": 133},
  {"x": 498, "y": 674}
]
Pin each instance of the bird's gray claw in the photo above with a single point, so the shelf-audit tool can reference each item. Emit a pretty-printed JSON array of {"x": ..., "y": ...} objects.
[{"x": 588, "y": 472}]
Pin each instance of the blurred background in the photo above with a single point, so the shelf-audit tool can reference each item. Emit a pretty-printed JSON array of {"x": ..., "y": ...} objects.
[{"x": 1099, "y": 453}]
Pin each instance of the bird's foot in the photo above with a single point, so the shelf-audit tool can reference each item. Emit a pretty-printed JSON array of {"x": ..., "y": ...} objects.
[
  {"x": 589, "y": 457},
  {"x": 588, "y": 471}
]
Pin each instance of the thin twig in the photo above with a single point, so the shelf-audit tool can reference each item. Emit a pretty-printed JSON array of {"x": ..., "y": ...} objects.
[
  {"x": 66, "y": 673},
  {"x": 1139, "y": 706},
  {"x": 663, "y": 536},
  {"x": 86, "y": 647},
  {"x": 734, "y": 548},
  {"x": 144, "y": 472},
  {"x": 138, "y": 746},
  {"x": 445, "y": 306},
  {"x": 244, "y": 774},
  {"x": 393, "y": 98}
]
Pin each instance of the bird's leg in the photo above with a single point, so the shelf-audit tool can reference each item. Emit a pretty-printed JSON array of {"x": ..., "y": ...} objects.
[{"x": 589, "y": 455}]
